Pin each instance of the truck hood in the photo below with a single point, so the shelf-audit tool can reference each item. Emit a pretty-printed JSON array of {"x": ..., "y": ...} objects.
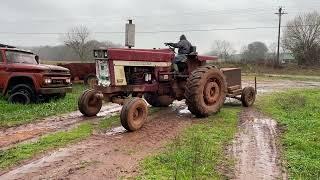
[{"x": 38, "y": 68}]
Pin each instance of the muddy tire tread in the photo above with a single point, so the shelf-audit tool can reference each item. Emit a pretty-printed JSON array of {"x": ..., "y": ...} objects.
[{"x": 193, "y": 87}]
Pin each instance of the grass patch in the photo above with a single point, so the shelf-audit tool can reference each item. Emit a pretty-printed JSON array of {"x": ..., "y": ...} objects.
[
  {"x": 109, "y": 122},
  {"x": 197, "y": 152},
  {"x": 17, "y": 114},
  {"x": 299, "y": 112},
  {"x": 22, "y": 152}
]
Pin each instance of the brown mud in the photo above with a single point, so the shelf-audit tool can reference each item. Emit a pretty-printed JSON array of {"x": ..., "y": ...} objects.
[
  {"x": 111, "y": 155},
  {"x": 255, "y": 147},
  {"x": 21, "y": 133}
]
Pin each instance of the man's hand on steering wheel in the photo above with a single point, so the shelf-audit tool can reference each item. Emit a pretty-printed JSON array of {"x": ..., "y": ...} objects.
[{"x": 170, "y": 46}]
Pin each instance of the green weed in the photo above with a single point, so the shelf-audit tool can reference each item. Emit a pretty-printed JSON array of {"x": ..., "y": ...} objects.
[
  {"x": 198, "y": 152},
  {"x": 17, "y": 114},
  {"x": 299, "y": 112}
]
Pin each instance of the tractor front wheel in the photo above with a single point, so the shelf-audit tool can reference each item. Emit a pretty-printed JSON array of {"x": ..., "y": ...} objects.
[
  {"x": 205, "y": 91},
  {"x": 89, "y": 104},
  {"x": 248, "y": 96},
  {"x": 134, "y": 114},
  {"x": 158, "y": 101}
]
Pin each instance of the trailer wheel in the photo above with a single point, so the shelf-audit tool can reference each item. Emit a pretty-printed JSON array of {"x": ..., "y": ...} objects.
[
  {"x": 88, "y": 104},
  {"x": 134, "y": 114},
  {"x": 158, "y": 101},
  {"x": 248, "y": 96},
  {"x": 205, "y": 91}
]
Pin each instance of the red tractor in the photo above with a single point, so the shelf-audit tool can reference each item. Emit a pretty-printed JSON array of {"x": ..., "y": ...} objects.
[{"x": 127, "y": 75}]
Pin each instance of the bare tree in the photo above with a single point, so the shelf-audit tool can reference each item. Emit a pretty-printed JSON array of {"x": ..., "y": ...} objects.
[
  {"x": 223, "y": 49},
  {"x": 76, "y": 39},
  {"x": 302, "y": 38}
]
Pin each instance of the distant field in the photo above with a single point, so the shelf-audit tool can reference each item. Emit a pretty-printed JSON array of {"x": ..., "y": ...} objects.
[{"x": 289, "y": 69}]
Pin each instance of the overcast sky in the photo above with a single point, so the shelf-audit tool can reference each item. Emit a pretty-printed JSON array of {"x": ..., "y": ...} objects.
[{"x": 57, "y": 16}]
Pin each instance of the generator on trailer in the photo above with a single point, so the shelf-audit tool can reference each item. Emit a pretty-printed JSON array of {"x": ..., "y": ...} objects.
[{"x": 125, "y": 76}]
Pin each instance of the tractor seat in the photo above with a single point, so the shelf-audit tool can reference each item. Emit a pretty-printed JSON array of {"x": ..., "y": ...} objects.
[{"x": 193, "y": 51}]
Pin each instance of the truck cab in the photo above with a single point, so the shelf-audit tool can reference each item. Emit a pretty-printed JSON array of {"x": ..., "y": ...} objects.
[{"x": 24, "y": 80}]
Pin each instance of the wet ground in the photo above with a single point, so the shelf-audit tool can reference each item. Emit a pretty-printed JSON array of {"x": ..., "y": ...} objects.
[
  {"x": 111, "y": 155},
  {"x": 117, "y": 153},
  {"x": 31, "y": 131},
  {"x": 255, "y": 147}
]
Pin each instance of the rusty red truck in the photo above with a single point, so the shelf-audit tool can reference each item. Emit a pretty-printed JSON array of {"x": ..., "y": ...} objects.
[{"x": 24, "y": 80}]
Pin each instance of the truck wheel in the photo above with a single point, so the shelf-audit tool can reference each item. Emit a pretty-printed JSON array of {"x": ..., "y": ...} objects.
[
  {"x": 248, "y": 96},
  {"x": 88, "y": 104},
  {"x": 22, "y": 91},
  {"x": 158, "y": 101},
  {"x": 90, "y": 80},
  {"x": 19, "y": 98},
  {"x": 134, "y": 114},
  {"x": 205, "y": 91}
]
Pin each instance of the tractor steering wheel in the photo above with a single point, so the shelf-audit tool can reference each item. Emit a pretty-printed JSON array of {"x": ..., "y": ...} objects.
[{"x": 170, "y": 46}]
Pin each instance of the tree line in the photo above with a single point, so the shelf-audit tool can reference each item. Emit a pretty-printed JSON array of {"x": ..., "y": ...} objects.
[
  {"x": 301, "y": 39},
  {"x": 77, "y": 46}
]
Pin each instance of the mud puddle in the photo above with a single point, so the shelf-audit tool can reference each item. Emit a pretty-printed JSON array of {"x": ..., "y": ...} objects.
[
  {"x": 21, "y": 133},
  {"x": 112, "y": 155}
]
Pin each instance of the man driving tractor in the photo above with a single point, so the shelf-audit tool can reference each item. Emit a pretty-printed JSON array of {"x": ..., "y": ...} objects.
[{"x": 184, "y": 48}]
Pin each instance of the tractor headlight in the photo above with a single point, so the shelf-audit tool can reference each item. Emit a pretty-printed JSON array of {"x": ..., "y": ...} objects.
[
  {"x": 105, "y": 54},
  {"x": 47, "y": 81}
]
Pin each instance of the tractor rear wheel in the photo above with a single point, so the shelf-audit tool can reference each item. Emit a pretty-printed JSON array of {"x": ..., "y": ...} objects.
[
  {"x": 89, "y": 104},
  {"x": 134, "y": 114},
  {"x": 158, "y": 101},
  {"x": 248, "y": 96},
  {"x": 205, "y": 91}
]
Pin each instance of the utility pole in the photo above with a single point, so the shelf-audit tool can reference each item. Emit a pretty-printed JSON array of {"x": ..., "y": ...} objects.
[{"x": 280, "y": 13}]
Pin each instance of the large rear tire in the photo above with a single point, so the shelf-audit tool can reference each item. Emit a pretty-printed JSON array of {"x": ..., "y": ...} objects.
[
  {"x": 205, "y": 91},
  {"x": 158, "y": 101},
  {"x": 89, "y": 104},
  {"x": 134, "y": 114}
]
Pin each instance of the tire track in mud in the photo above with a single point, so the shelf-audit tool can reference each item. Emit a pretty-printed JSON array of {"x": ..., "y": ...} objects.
[
  {"x": 107, "y": 156},
  {"x": 14, "y": 135},
  {"x": 256, "y": 149}
]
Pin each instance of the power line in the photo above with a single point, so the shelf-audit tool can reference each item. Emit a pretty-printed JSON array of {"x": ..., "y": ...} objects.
[{"x": 155, "y": 32}]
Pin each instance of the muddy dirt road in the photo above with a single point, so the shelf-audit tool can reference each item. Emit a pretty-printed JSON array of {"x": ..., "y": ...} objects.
[
  {"x": 31, "y": 131},
  {"x": 255, "y": 147},
  {"x": 107, "y": 156},
  {"x": 117, "y": 153}
]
